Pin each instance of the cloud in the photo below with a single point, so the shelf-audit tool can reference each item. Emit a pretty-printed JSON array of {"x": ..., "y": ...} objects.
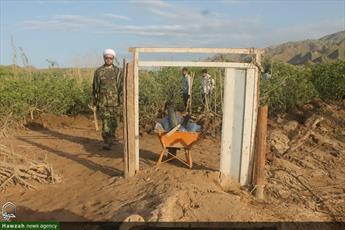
[
  {"x": 71, "y": 21},
  {"x": 189, "y": 34},
  {"x": 42, "y": 2},
  {"x": 116, "y": 16},
  {"x": 63, "y": 22},
  {"x": 163, "y": 13},
  {"x": 205, "y": 12},
  {"x": 151, "y": 3},
  {"x": 196, "y": 30},
  {"x": 147, "y": 30},
  {"x": 179, "y": 14},
  {"x": 233, "y": 2},
  {"x": 206, "y": 28},
  {"x": 157, "y": 7}
]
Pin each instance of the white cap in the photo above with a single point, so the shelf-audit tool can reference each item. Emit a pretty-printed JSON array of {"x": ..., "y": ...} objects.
[{"x": 109, "y": 52}]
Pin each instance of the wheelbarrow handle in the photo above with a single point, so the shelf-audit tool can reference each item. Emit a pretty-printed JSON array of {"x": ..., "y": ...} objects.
[{"x": 173, "y": 130}]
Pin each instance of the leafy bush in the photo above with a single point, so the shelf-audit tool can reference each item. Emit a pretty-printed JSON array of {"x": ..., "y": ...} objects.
[
  {"x": 288, "y": 86},
  {"x": 158, "y": 87},
  {"x": 55, "y": 91},
  {"x": 46, "y": 93},
  {"x": 5, "y": 71},
  {"x": 329, "y": 80}
]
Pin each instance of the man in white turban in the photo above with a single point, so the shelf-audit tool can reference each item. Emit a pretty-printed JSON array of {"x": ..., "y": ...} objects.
[{"x": 105, "y": 96}]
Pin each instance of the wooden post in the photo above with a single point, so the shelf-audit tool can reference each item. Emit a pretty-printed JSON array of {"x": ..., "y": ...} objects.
[
  {"x": 258, "y": 61},
  {"x": 125, "y": 134},
  {"x": 129, "y": 122},
  {"x": 136, "y": 108},
  {"x": 189, "y": 102},
  {"x": 206, "y": 104},
  {"x": 221, "y": 79},
  {"x": 259, "y": 176}
]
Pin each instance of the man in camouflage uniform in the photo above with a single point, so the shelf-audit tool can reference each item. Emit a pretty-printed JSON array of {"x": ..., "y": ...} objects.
[{"x": 105, "y": 96}]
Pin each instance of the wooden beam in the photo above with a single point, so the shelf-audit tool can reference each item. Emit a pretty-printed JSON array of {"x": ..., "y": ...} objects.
[
  {"x": 194, "y": 50},
  {"x": 255, "y": 115},
  {"x": 136, "y": 107},
  {"x": 130, "y": 127},
  {"x": 259, "y": 176},
  {"x": 125, "y": 124},
  {"x": 196, "y": 64},
  {"x": 258, "y": 56},
  {"x": 258, "y": 71},
  {"x": 254, "y": 122}
]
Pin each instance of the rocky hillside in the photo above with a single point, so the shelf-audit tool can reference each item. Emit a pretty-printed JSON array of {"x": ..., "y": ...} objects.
[{"x": 327, "y": 48}]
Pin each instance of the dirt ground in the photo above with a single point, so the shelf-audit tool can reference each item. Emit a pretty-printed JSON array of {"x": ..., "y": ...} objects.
[{"x": 305, "y": 175}]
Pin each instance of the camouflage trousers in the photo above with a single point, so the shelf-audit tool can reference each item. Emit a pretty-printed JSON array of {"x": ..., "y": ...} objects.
[{"x": 109, "y": 124}]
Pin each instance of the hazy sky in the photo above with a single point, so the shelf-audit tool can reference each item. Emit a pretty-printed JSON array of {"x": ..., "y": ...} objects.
[{"x": 75, "y": 32}]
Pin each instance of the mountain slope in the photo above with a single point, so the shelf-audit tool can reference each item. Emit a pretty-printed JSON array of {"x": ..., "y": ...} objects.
[{"x": 328, "y": 48}]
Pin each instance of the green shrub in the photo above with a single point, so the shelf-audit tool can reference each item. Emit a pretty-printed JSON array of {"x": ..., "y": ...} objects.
[
  {"x": 157, "y": 87},
  {"x": 287, "y": 87},
  {"x": 42, "y": 93},
  {"x": 61, "y": 92},
  {"x": 329, "y": 80}
]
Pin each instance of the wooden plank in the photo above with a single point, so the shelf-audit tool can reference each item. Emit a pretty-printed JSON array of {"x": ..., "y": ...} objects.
[
  {"x": 194, "y": 50},
  {"x": 245, "y": 174},
  {"x": 171, "y": 132},
  {"x": 254, "y": 121},
  {"x": 258, "y": 58},
  {"x": 228, "y": 106},
  {"x": 136, "y": 107},
  {"x": 125, "y": 125},
  {"x": 258, "y": 74},
  {"x": 195, "y": 64},
  {"x": 130, "y": 121},
  {"x": 256, "y": 109},
  {"x": 261, "y": 152}
]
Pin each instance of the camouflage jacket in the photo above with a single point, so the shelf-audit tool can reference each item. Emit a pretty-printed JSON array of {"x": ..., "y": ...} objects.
[{"x": 104, "y": 87}]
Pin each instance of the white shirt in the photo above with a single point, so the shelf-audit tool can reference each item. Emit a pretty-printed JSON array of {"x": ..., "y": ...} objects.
[{"x": 207, "y": 84}]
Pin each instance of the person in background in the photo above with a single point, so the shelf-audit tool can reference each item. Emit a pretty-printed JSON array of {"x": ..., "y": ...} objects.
[
  {"x": 267, "y": 69},
  {"x": 186, "y": 86},
  {"x": 105, "y": 96},
  {"x": 207, "y": 87}
]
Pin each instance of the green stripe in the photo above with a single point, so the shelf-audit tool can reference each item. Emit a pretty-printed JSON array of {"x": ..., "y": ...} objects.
[{"x": 30, "y": 225}]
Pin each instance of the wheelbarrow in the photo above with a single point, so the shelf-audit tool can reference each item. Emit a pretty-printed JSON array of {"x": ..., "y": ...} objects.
[{"x": 178, "y": 140}]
